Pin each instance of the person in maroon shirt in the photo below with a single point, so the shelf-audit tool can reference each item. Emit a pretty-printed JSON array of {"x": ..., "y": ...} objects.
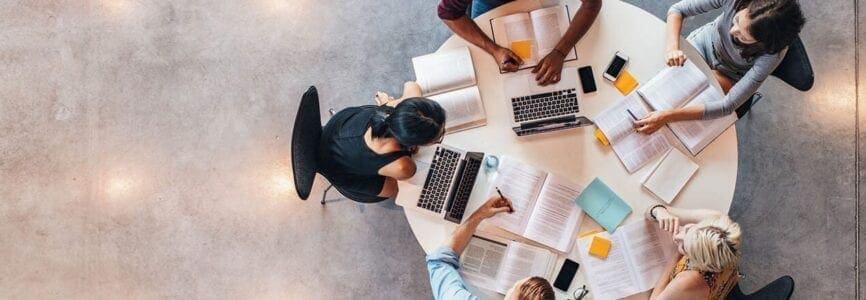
[{"x": 548, "y": 70}]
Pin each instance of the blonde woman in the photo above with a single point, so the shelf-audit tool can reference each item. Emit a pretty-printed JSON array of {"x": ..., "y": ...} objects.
[{"x": 708, "y": 243}]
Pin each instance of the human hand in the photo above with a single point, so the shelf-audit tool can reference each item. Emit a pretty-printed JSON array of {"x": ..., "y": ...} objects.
[
  {"x": 675, "y": 57},
  {"x": 549, "y": 68},
  {"x": 652, "y": 122},
  {"x": 382, "y": 98},
  {"x": 506, "y": 59},
  {"x": 493, "y": 206},
  {"x": 667, "y": 221}
]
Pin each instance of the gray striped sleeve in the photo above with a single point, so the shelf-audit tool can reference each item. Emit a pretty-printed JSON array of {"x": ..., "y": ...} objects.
[
  {"x": 745, "y": 87},
  {"x": 688, "y": 8}
]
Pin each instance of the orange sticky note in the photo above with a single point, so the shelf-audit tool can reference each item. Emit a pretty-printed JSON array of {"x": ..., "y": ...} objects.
[
  {"x": 599, "y": 247},
  {"x": 522, "y": 48},
  {"x": 601, "y": 137},
  {"x": 625, "y": 83}
]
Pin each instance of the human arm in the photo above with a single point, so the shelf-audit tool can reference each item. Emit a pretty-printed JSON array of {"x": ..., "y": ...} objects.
[
  {"x": 684, "y": 286},
  {"x": 674, "y": 55},
  {"x": 453, "y": 14},
  {"x": 670, "y": 218},
  {"x": 461, "y": 236},
  {"x": 400, "y": 169},
  {"x": 410, "y": 89},
  {"x": 655, "y": 120},
  {"x": 550, "y": 67},
  {"x": 743, "y": 89}
]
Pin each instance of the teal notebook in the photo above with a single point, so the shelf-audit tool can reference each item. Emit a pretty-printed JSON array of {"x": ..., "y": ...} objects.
[{"x": 603, "y": 205}]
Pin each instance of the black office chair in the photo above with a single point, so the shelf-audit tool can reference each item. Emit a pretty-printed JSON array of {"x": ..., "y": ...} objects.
[
  {"x": 305, "y": 144},
  {"x": 779, "y": 289},
  {"x": 795, "y": 70}
]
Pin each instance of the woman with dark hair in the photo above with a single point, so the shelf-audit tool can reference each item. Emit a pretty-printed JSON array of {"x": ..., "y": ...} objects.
[
  {"x": 744, "y": 45},
  {"x": 366, "y": 149}
]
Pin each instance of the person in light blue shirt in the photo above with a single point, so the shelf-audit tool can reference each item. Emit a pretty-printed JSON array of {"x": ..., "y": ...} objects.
[{"x": 443, "y": 263}]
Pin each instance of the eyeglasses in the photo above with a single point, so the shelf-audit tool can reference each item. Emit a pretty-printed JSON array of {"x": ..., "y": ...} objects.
[{"x": 580, "y": 292}]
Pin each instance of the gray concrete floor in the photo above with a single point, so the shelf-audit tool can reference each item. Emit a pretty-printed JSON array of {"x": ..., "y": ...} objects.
[{"x": 144, "y": 151}]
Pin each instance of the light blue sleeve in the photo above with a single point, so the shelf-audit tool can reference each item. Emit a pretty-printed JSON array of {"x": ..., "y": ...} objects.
[
  {"x": 688, "y": 8},
  {"x": 745, "y": 87},
  {"x": 446, "y": 282}
]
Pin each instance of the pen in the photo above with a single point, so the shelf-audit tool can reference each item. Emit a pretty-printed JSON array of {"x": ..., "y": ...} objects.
[
  {"x": 631, "y": 114},
  {"x": 510, "y": 209}
]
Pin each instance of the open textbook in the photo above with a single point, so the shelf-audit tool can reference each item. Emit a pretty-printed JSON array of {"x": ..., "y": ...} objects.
[
  {"x": 533, "y": 35},
  {"x": 448, "y": 77},
  {"x": 634, "y": 149},
  {"x": 544, "y": 209},
  {"x": 496, "y": 265},
  {"x": 676, "y": 87},
  {"x": 638, "y": 255}
]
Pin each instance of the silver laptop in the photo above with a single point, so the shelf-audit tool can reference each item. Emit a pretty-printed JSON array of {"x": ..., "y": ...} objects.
[
  {"x": 538, "y": 109},
  {"x": 447, "y": 184}
]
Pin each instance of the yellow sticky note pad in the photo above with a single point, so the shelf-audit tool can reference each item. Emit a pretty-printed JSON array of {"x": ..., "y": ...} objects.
[
  {"x": 601, "y": 137},
  {"x": 522, "y": 48},
  {"x": 599, "y": 247},
  {"x": 625, "y": 83}
]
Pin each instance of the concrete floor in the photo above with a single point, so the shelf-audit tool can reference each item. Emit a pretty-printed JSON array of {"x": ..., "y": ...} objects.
[{"x": 144, "y": 151}]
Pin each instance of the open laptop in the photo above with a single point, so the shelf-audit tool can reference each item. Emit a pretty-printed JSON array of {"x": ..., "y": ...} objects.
[
  {"x": 447, "y": 184},
  {"x": 538, "y": 109}
]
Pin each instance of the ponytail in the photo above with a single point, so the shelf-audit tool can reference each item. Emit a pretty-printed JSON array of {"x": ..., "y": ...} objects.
[
  {"x": 379, "y": 122},
  {"x": 414, "y": 122}
]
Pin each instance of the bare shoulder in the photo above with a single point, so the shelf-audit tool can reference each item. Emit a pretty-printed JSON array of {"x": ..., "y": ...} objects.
[
  {"x": 401, "y": 168},
  {"x": 689, "y": 281}
]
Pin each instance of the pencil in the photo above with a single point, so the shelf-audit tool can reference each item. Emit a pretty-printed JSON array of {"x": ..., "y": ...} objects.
[{"x": 510, "y": 209}]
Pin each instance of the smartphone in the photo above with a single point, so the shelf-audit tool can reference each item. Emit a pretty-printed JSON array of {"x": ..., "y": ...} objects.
[
  {"x": 566, "y": 274},
  {"x": 587, "y": 81},
  {"x": 615, "y": 67}
]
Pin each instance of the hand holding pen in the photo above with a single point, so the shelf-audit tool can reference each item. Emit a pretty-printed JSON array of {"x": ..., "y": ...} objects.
[{"x": 505, "y": 201}]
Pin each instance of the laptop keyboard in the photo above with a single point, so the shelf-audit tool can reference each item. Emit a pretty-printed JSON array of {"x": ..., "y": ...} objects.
[
  {"x": 435, "y": 191},
  {"x": 464, "y": 188},
  {"x": 546, "y": 105}
]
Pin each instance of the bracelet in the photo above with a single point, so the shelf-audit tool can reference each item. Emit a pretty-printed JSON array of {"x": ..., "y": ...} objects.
[
  {"x": 653, "y": 208},
  {"x": 560, "y": 52}
]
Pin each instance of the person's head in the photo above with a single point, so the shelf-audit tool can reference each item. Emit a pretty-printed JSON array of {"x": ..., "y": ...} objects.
[
  {"x": 711, "y": 245},
  {"x": 414, "y": 122},
  {"x": 531, "y": 288},
  {"x": 766, "y": 26}
]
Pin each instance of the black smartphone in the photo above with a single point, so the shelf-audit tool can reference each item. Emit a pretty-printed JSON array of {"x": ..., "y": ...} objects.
[
  {"x": 586, "y": 79},
  {"x": 566, "y": 274}
]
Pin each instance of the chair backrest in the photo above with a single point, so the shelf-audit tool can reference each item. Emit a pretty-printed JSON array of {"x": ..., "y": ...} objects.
[
  {"x": 796, "y": 69},
  {"x": 305, "y": 142},
  {"x": 780, "y": 289}
]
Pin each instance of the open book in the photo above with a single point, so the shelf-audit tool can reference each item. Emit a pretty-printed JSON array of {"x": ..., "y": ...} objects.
[
  {"x": 670, "y": 175},
  {"x": 676, "y": 87},
  {"x": 533, "y": 35},
  {"x": 497, "y": 266},
  {"x": 448, "y": 77},
  {"x": 633, "y": 148},
  {"x": 544, "y": 209},
  {"x": 638, "y": 255}
]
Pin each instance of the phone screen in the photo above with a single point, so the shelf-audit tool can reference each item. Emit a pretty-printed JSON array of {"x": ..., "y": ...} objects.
[
  {"x": 566, "y": 274},
  {"x": 586, "y": 79},
  {"x": 615, "y": 66}
]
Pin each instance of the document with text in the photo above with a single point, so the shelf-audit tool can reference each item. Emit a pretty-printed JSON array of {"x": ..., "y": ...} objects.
[
  {"x": 448, "y": 77},
  {"x": 497, "y": 265},
  {"x": 533, "y": 35},
  {"x": 633, "y": 148}
]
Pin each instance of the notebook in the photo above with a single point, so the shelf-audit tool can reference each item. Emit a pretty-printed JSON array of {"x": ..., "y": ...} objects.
[
  {"x": 544, "y": 209},
  {"x": 676, "y": 87},
  {"x": 638, "y": 256},
  {"x": 603, "y": 205},
  {"x": 533, "y": 35},
  {"x": 670, "y": 175},
  {"x": 448, "y": 77},
  {"x": 633, "y": 148},
  {"x": 497, "y": 265}
]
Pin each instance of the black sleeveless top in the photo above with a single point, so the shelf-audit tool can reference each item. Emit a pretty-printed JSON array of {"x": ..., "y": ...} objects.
[{"x": 343, "y": 153}]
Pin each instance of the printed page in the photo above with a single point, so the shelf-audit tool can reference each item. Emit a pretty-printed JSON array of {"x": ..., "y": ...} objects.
[
  {"x": 515, "y": 32},
  {"x": 481, "y": 261},
  {"x": 520, "y": 183},
  {"x": 650, "y": 250},
  {"x": 556, "y": 218},
  {"x": 521, "y": 261},
  {"x": 634, "y": 149},
  {"x": 611, "y": 277},
  {"x": 444, "y": 71},
  {"x": 673, "y": 87},
  {"x": 463, "y": 108},
  {"x": 550, "y": 25},
  {"x": 698, "y": 134},
  {"x": 671, "y": 175}
]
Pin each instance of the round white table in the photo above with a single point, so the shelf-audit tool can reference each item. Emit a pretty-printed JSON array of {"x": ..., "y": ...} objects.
[{"x": 575, "y": 153}]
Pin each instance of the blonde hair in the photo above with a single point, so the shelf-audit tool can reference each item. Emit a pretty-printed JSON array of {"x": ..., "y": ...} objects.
[
  {"x": 714, "y": 244},
  {"x": 535, "y": 288}
]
